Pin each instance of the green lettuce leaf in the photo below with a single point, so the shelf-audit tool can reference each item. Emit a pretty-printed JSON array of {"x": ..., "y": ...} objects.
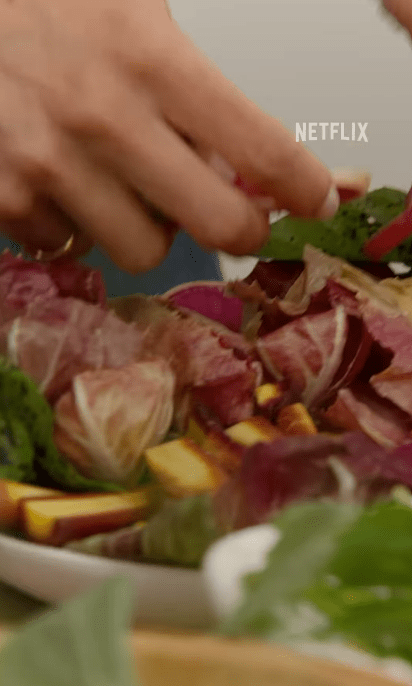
[
  {"x": 80, "y": 644},
  {"x": 311, "y": 533},
  {"x": 370, "y": 598},
  {"x": 180, "y": 532},
  {"x": 27, "y": 450},
  {"x": 345, "y": 234},
  {"x": 338, "y": 571}
]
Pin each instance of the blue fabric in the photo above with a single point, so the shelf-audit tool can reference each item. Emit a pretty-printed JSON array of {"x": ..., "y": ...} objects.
[{"x": 185, "y": 262}]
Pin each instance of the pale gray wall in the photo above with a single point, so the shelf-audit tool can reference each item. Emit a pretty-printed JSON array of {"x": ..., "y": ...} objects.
[{"x": 317, "y": 60}]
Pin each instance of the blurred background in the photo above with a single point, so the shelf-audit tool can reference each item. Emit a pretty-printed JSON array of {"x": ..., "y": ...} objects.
[{"x": 314, "y": 61}]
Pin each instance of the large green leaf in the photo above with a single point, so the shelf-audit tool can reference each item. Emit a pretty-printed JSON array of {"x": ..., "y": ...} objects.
[
  {"x": 81, "y": 644},
  {"x": 310, "y": 535},
  {"x": 337, "y": 571},
  {"x": 345, "y": 234},
  {"x": 181, "y": 531}
]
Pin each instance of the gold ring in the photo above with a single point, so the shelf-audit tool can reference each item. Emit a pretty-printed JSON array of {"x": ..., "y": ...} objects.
[{"x": 50, "y": 255}]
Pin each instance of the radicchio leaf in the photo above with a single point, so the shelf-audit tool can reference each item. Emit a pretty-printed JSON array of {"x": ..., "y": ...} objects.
[
  {"x": 23, "y": 282},
  {"x": 355, "y": 354},
  {"x": 208, "y": 298},
  {"x": 179, "y": 533},
  {"x": 109, "y": 417},
  {"x": 299, "y": 468},
  {"x": 394, "y": 333},
  {"x": 359, "y": 408},
  {"x": 307, "y": 353},
  {"x": 231, "y": 398},
  {"x": 275, "y": 474},
  {"x": 276, "y": 276},
  {"x": 62, "y": 337}
]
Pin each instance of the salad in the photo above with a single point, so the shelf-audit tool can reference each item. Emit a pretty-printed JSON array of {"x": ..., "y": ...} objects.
[{"x": 147, "y": 428}]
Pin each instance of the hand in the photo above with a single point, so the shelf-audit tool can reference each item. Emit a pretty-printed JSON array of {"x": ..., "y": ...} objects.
[
  {"x": 107, "y": 106},
  {"x": 402, "y": 11}
]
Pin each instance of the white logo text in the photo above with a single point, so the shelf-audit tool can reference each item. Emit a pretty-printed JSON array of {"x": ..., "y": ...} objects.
[{"x": 317, "y": 131}]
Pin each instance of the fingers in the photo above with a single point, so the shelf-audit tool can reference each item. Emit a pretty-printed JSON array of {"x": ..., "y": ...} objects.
[
  {"x": 167, "y": 172},
  {"x": 402, "y": 11},
  {"x": 47, "y": 228},
  {"x": 16, "y": 198},
  {"x": 107, "y": 213},
  {"x": 197, "y": 98},
  {"x": 104, "y": 210},
  {"x": 35, "y": 224},
  {"x": 80, "y": 120},
  {"x": 41, "y": 229},
  {"x": 264, "y": 203},
  {"x": 56, "y": 167}
]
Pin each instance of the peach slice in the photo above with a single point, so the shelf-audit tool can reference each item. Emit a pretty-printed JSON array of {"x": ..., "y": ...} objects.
[
  {"x": 13, "y": 493},
  {"x": 184, "y": 468},
  {"x": 228, "y": 453},
  {"x": 254, "y": 430},
  {"x": 228, "y": 445},
  {"x": 295, "y": 420},
  {"x": 58, "y": 521},
  {"x": 268, "y": 398},
  {"x": 267, "y": 392}
]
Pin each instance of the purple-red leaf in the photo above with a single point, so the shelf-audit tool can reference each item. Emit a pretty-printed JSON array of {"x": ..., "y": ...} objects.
[
  {"x": 209, "y": 299},
  {"x": 307, "y": 353}
]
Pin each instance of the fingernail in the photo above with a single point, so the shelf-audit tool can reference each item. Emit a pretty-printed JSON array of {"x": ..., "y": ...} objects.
[
  {"x": 331, "y": 204},
  {"x": 351, "y": 183}
]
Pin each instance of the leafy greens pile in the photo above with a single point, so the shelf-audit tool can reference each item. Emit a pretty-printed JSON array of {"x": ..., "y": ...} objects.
[
  {"x": 345, "y": 234},
  {"x": 339, "y": 571}
]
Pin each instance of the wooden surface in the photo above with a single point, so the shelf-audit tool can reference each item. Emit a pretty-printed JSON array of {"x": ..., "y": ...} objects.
[
  {"x": 181, "y": 660},
  {"x": 177, "y": 659},
  {"x": 164, "y": 659}
]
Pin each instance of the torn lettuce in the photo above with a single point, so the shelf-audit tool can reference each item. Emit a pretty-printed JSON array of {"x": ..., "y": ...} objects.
[
  {"x": 310, "y": 534},
  {"x": 339, "y": 571},
  {"x": 181, "y": 532},
  {"x": 345, "y": 234},
  {"x": 27, "y": 450}
]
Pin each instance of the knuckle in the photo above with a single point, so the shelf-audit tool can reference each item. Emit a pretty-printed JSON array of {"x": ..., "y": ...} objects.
[
  {"x": 156, "y": 56},
  {"x": 278, "y": 162},
  {"x": 38, "y": 160},
  {"x": 80, "y": 99},
  {"x": 79, "y": 109},
  {"x": 85, "y": 117}
]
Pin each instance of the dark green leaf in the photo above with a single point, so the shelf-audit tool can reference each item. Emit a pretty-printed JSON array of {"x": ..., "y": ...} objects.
[{"x": 345, "y": 234}]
